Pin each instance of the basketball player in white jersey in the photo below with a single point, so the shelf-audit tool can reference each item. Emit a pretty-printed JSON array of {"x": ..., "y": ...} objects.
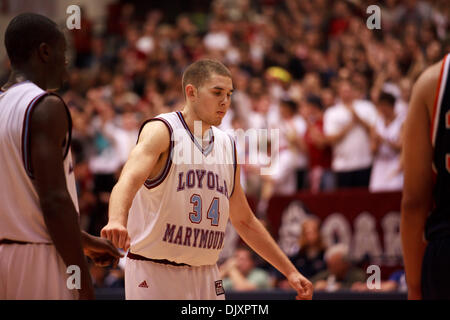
[
  {"x": 39, "y": 229},
  {"x": 172, "y": 214}
]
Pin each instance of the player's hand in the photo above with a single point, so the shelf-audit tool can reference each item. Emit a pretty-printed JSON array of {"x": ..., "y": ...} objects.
[
  {"x": 117, "y": 234},
  {"x": 101, "y": 251},
  {"x": 302, "y": 285}
]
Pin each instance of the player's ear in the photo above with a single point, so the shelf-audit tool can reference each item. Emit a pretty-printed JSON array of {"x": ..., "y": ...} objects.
[
  {"x": 191, "y": 92},
  {"x": 44, "y": 52}
]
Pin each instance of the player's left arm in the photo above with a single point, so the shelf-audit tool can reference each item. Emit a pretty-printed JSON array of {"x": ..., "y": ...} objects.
[{"x": 259, "y": 239}]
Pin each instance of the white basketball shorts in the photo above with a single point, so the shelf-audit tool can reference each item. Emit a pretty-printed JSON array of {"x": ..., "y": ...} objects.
[
  {"x": 147, "y": 280},
  {"x": 33, "y": 272}
]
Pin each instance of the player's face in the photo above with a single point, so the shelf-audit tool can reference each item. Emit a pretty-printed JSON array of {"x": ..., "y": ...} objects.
[
  {"x": 214, "y": 99},
  {"x": 58, "y": 73}
]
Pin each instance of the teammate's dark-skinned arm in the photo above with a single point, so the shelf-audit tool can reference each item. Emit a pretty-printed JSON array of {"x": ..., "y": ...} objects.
[
  {"x": 49, "y": 127},
  {"x": 251, "y": 230},
  {"x": 417, "y": 188},
  {"x": 100, "y": 250}
]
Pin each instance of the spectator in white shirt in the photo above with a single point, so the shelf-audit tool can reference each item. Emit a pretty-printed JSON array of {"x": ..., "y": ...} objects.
[
  {"x": 293, "y": 150},
  {"x": 387, "y": 174},
  {"x": 347, "y": 126},
  {"x": 126, "y": 135},
  {"x": 217, "y": 38},
  {"x": 291, "y": 163}
]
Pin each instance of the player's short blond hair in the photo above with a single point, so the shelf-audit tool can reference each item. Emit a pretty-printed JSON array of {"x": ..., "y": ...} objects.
[{"x": 200, "y": 71}]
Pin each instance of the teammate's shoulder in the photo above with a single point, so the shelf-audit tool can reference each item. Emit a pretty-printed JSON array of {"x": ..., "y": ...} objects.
[
  {"x": 431, "y": 75},
  {"x": 49, "y": 105},
  {"x": 50, "y": 116},
  {"x": 52, "y": 99}
]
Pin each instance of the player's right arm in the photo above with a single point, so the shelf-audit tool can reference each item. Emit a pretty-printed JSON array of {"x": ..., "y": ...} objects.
[
  {"x": 154, "y": 140},
  {"x": 417, "y": 189}
]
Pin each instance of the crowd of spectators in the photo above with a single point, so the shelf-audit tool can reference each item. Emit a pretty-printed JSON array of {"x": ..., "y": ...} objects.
[
  {"x": 329, "y": 267},
  {"x": 336, "y": 90}
]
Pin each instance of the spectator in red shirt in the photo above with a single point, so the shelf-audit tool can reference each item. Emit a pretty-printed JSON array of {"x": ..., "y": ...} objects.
[
  {"x": 320, "y": 175},
  {"x": 340, "y": 20}
]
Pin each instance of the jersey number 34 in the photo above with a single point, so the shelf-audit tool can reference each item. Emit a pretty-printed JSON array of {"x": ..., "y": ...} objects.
[{"x": 213, "y": 213}]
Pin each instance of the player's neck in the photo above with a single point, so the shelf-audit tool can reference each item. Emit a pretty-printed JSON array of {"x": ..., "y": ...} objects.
[
  {"x": 191, "y": 119},
  {"x": 21, "y": 75}
]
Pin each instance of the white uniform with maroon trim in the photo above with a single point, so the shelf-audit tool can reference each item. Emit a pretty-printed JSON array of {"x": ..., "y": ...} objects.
[
  {"x": 33, "y": 270},
  {"x": 181, "y": 216}
]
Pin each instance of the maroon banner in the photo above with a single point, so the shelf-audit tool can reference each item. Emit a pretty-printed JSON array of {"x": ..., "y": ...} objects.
[{"x": 369, "y": 223}]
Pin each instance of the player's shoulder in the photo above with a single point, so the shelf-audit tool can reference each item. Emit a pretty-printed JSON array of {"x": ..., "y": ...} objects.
[
  {"x": 25, "y": 90},
  {"x": 431, "y": 75},
  {"x": 162, "y": 122},
  {"x": 155, "y": 127},
  {"x": 425, "y": 87},
  {"x": 157, "y": 130},
  {"x": 52, "y": 100},
  {"x": 49, "y": 107},
  {"x": 50, "y": 118}
]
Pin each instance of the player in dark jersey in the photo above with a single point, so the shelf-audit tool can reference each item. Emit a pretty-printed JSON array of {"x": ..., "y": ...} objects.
[{"x": 425, "y": 219}]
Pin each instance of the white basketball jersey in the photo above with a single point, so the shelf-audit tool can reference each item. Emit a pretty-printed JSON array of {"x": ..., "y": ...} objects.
[
  {"x": 21, "y": 217},
  {"x": 181, "y": 215}
]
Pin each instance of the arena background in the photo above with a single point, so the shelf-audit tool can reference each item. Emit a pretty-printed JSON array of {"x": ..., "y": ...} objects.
[{"x": 126, "y": 62}]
